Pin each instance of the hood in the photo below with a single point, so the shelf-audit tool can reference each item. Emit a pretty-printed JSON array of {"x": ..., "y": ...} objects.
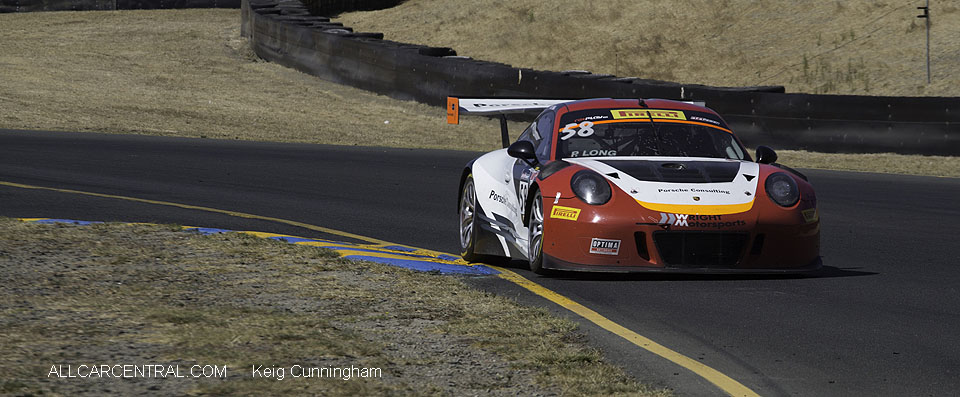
[{"x": 681, "y": 185}]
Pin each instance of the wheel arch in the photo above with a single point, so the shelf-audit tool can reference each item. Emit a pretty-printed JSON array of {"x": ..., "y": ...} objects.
[
  {"x": 534, "y": 188},
  {"x": 467, "y": 171},
  {"x": 487, "y": 244}
]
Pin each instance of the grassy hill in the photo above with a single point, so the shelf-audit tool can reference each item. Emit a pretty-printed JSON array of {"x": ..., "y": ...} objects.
[{"x": 865, "y": 47}]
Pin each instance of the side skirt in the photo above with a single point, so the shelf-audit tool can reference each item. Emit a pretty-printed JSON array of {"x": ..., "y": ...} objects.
[{"x": 495, "y": 233}]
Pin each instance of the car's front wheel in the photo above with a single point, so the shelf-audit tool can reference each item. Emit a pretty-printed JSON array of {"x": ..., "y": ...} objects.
[
  {"x": 468, "y": 222},
  {"x": 535, "y": 235}
]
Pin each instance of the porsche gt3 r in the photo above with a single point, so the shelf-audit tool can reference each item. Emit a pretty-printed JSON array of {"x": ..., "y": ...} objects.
[{"x": 623, "y": 185}]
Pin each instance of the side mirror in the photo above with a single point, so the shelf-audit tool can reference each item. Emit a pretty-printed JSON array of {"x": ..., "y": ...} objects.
[
  {"x": 523, "y": 150},
  {"x": 766, "y": 155}
]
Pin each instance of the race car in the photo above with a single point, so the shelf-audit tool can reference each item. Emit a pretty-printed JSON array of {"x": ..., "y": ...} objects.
[{"x": 628, "y": 185}]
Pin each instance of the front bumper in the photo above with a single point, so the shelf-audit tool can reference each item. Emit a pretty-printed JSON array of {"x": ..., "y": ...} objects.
[
  {"x": 778, "y": 242},
  {"x": 552, "y": 263}
]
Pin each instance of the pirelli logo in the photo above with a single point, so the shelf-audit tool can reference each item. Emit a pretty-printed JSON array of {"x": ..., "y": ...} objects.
[
  {"x": 648, "y": 113},
  {"x": 570, "y": 214}
]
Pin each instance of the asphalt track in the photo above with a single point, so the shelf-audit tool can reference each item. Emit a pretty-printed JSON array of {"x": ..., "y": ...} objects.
[{"x": 881, "y": 319}]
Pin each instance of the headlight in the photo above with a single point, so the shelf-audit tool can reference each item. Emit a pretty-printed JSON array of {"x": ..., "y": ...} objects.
[
  {"x": 590, "y": 187},
  {"x": 782, "y": 189}
]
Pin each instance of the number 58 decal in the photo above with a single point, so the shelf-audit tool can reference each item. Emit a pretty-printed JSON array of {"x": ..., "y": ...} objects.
[{"x": 585, "y": 130}]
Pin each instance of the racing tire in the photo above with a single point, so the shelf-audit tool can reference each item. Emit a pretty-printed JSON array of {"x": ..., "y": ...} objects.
[
  {"x": 468, "y": 221},
  {"x": 535, "y": 235}
]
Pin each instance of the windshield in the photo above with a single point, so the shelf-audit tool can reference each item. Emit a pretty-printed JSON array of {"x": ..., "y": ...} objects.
[{"x": 598, "y": 136}]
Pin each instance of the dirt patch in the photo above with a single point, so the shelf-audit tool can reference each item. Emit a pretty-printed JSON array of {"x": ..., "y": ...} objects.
[{"x": 115, "y": 294}]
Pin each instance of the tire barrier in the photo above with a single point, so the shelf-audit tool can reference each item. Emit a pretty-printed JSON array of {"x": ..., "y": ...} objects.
[
  {"x": 842, "y": 123},
  {"x": 164, "y": 4},
  {"x": 335, "y": 7},
  {"x": 286, "y": 32},
  {"x": 54, "y": 5},
  {"x": 95, "y": 5}
]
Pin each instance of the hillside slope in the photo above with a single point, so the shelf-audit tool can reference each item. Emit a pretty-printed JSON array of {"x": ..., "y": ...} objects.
[{"x": 862, "y": 47}]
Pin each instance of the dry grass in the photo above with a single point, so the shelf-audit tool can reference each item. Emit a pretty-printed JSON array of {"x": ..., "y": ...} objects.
[
  {"x": 189, "y": 73},
  {"x": 864, "y": 47},
  {"x": 140, "y": 294}
]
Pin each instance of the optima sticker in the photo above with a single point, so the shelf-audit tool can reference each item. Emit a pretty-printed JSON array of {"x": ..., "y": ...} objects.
[
  {"x": 647, "y": 113},
  {"x": 604, "y": 246},
  {"x": 560, "y": 212}
]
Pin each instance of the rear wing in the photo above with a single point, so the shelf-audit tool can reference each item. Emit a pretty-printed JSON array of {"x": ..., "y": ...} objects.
[{"x": 500, "y": 107}]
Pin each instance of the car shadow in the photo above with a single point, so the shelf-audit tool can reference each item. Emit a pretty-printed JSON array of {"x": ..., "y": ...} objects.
[{"x": 824, "y": 272}]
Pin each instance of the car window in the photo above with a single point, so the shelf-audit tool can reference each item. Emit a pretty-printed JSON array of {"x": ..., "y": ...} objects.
[
  {"x": 645, "y": 139},
  {"x": 528, "y": 134},
  {"x": 604, "y": 133},
  {"x": 544, "y": 126}
]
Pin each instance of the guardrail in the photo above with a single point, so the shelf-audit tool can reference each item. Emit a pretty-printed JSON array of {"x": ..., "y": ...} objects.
[{"x": 286, "y": 33}]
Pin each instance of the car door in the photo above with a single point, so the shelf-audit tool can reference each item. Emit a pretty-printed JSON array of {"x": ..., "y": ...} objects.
[{"x": 540, "y": 133}]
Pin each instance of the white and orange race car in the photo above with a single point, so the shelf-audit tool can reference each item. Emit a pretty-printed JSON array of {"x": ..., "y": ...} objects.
[{"x": 624, "y": 185}]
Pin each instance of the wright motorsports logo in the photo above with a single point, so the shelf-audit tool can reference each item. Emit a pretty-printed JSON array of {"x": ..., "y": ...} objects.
[
  {"x": 704, "y": 221},
  {"x": 673, "y": 219}
]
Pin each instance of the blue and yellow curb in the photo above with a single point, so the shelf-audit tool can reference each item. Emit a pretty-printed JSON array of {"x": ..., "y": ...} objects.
[
  {"x": 388, "y": 254},
  {"x": 430, "y": 261}
]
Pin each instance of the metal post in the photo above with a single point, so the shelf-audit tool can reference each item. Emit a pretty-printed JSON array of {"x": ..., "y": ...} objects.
[
  {"x": 504, "y": 135},
  {"x": 926, "y": 15},
  {"x": 928, "y": 41}
]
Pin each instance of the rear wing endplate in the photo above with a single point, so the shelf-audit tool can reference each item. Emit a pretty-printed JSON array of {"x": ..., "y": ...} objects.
[{"x": 499, "y": 107}]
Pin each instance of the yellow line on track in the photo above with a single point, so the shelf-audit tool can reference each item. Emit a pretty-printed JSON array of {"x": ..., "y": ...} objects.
[
  {"x": 724, "y": 382},
  {"x": 208, "y": 209}
]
